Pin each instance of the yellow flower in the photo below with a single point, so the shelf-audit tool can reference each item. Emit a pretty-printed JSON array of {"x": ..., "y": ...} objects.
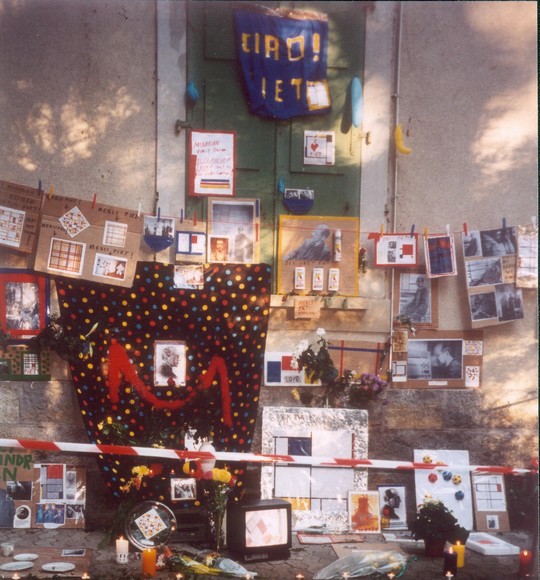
[
  {"x": 100, "y": 425},
  {"x": 109, "y": 420},
  {"x": 221, "y": 475},
  {"x": 141, "y": 470},
  {"x": 295, "y": 394}
]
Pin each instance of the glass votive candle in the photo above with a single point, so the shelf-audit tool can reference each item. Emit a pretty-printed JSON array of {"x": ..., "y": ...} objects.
[{"x": 122, "y": 550}]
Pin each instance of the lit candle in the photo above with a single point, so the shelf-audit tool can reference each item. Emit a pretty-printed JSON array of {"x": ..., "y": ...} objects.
[
  {"x": 525, "y": 559},
  {"x": 122, "y": 550},
  {"x": 459, "y": 549},
  {"x": 450, "y": 562},
  {"x": 16, "y": 576},
  {"x": 85, "y": 576},
  {"x": 149, "y": 562},
  {"x": 299, "y": 576},
  {"x": 179, "y": 576},
  {"x": 449, "y": 575}
]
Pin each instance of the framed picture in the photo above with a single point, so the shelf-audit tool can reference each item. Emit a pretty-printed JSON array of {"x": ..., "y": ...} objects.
[
  {"x": 326, "y": 243},
  {"x": 183, "y": 488},
  {"x": 169, "y": 363},
  {"x": 190, "y": 244},
  {"x": 212, "y": 162},
  {"x": 364, "y": 512},
  {"x": 449, "y": 359},
  {"x": 396, "y": 250},
  {"x": 317, "y": 493},
  {"x": 490, "y": 509},
  {"x": 319, "y": 147},
  {"x": 24, "y": 303},
  {"x": 218, "y": 248},
  {"x": 19, "y": 363},
  {"x": 392, "y": 506},
  {"x": 415, "y": 298},
  {"x": 440, "y": 255},
  {"x": 237, "y": 223}
]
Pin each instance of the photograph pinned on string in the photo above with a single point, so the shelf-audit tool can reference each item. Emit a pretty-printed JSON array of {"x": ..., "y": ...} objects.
[{"x": 440, "y": 255}]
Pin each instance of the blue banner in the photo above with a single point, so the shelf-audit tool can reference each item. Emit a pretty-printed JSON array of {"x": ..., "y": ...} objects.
[{"x": 283, "y": 60}]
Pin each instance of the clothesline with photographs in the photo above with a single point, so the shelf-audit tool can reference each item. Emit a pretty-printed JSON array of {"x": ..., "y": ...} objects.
[
  {"x": 88, "y": 240},
  {"x": 499, "y": 262}
]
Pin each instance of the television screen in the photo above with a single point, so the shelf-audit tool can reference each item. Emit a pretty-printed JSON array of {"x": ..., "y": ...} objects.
[{"x": 259, "y": 529}]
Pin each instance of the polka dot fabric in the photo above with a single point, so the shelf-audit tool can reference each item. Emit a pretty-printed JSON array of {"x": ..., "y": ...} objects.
[{"x": 228, "y": 318}]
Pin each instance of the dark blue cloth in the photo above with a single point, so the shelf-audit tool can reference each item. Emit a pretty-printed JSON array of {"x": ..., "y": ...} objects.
[{"x": 279, "y": 56}]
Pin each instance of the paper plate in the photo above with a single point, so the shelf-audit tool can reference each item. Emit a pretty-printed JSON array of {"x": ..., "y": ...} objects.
[
  {"x": 13, "y": 566},
  {"x": 26, "y": 557},
  {"x": 58, "y": 567}
]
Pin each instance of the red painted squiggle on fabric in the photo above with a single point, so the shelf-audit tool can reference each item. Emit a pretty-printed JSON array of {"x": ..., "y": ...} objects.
[{"x": 120, "y": 366}]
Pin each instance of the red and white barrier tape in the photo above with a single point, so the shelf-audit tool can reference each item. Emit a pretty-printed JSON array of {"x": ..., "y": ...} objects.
[{"x": 227, "y": 456}]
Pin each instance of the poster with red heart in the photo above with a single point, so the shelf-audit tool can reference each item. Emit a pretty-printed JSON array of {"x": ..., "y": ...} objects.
[{"x": 319, "y": 147}]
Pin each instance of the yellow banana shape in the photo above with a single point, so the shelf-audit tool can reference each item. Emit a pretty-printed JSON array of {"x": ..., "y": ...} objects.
[{"x": 398, "y": 137}]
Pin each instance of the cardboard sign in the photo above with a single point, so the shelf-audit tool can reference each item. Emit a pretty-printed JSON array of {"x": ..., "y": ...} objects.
[
  {"x": 20, "y": 208},
  {"x": 90, "y": 241}
]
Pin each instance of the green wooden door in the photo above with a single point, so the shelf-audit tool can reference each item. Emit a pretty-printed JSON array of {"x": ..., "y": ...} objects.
[{"x": 269, "y": 152}]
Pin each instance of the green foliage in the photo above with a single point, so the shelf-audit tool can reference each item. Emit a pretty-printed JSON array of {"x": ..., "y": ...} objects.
[{"x": 434, "y": 521}]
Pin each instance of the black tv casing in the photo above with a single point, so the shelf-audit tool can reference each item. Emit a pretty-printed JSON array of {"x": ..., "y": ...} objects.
[{"x": 236, "y": 530}]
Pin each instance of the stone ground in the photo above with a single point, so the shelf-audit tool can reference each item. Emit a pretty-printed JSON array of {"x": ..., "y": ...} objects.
[{"x": 304, "y": 559}]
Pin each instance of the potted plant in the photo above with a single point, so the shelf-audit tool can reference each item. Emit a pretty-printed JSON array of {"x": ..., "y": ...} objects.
[{"x": 436, "y": 525}]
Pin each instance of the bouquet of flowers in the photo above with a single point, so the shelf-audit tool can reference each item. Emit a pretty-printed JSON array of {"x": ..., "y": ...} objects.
[
  {"x": 216, "y": 485},
  {"x": 349, "y": 390},
  {"x": 366, "y": 388},
  {"x": 317, "y": 364}
]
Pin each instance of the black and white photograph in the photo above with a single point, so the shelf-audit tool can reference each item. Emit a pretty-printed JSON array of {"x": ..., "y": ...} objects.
[
  {"x": 472, "y": 245},
  {"x": 509, "y": 302},
  {"x": 484, "y": 272},
  {"x": 434, "y": 359},
  {"x": 19, "y": 490},
  {"x": 73, "y": 553},
  {"x": 158, "y": 226},
  {"x": 483, "y": 306},
  {"x": 498, "y": 242},
  {"x": 183, "y": 489},
  {"x": 169, "y": 363},
  {"x": 316, "y": 248},
  {"x": 75, "y": 511},
  {"x": 415, "y": 297}
]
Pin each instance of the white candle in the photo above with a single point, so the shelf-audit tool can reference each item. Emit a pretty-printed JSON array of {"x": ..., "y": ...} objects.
[{"x": 122, "y": 550}]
